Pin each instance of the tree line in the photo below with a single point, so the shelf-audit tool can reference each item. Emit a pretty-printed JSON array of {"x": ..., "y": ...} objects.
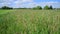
[
  {"x": 6, "y": 7},
  {"x": 37, "y": 7},
  {"x": 45, "y": 7}
]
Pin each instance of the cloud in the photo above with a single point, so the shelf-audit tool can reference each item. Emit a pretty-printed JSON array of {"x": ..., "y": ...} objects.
[
  {"x": 22, "y": 1},
  {"x": 14, "y": 3},
  {"x": 54, "y": 4},
  {"x": 27, "y": 3}
]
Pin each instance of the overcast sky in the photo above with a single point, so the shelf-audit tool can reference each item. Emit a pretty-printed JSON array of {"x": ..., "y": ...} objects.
[{"x": 29, "y": 3}]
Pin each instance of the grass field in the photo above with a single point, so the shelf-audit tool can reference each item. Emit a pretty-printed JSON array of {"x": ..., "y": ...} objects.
[{"x": 29, "y": 21}]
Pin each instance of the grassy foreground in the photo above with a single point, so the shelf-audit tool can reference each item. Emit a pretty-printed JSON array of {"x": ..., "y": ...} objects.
[{"x": 30, "y": 22}]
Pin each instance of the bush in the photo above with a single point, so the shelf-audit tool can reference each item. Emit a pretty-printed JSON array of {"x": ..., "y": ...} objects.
[
  {"x": 46, "y": 7},
  {"x": 38, "y": 7}
]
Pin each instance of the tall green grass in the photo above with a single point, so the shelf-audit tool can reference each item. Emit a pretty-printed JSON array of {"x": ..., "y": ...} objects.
[{"x": 30, "y": 22}]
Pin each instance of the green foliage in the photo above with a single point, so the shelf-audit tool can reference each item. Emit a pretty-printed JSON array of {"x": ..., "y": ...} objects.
[
  {"x": 37, "y": 7},
  {"x": 51, "y": 7},
  {"x": 5, "y": 7},
  {"x": 46, "y": 7}
]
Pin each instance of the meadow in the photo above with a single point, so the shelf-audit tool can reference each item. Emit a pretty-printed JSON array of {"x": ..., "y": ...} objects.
[{"x": 27, "y": 21}]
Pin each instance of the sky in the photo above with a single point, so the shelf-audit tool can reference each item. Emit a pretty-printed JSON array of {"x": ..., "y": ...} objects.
[{"x": 29, "y": 3}]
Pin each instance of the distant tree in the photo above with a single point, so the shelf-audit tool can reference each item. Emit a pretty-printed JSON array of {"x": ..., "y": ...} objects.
[
  {"x": 5, "y": 7},
  {"x": 46, "y": 7},
  {"x": 37, "y": 7},
  {"x": 51, "y": 7}
]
